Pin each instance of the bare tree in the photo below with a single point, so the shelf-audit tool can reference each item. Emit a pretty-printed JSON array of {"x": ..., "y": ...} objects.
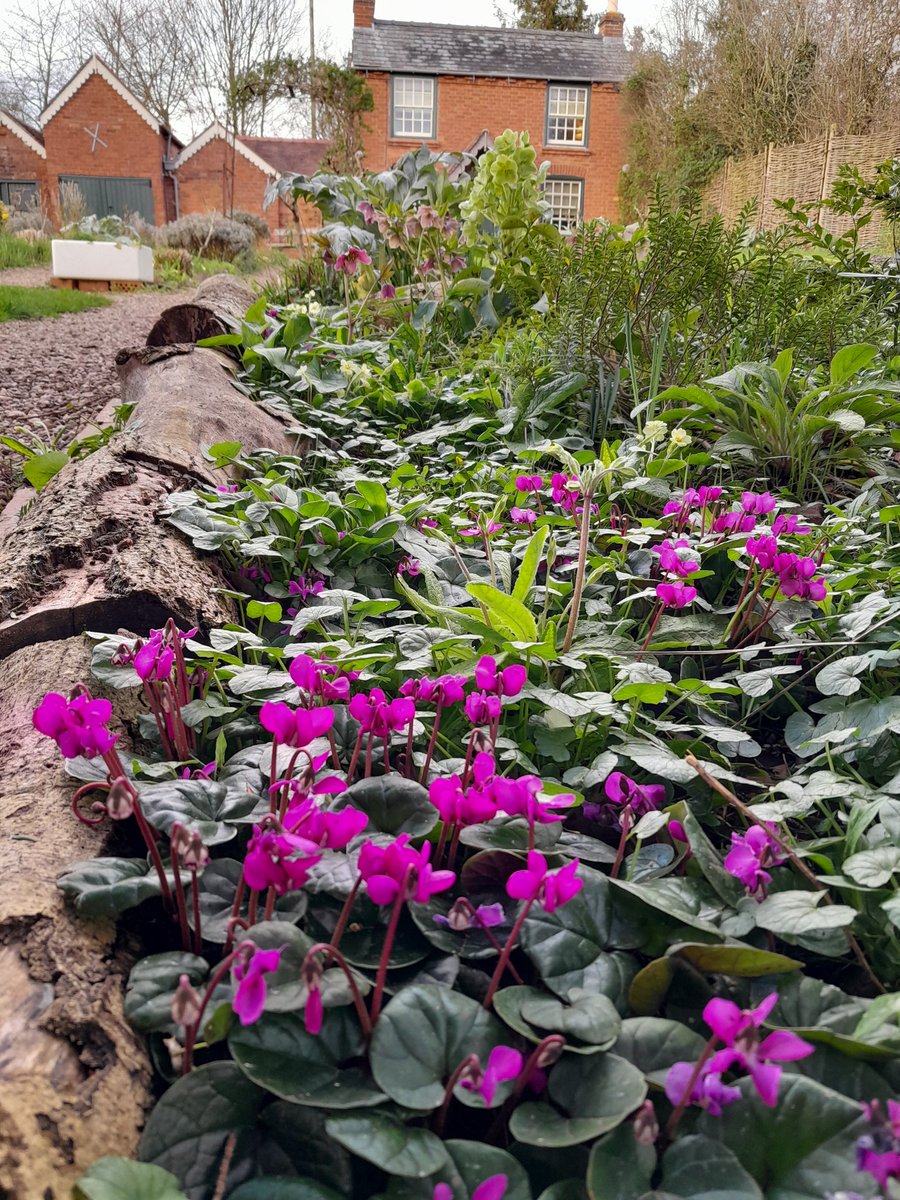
[{"x": 38, "y": 53}]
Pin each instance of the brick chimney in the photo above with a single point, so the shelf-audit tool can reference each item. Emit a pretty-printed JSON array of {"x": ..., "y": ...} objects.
[
  {"x": 363, "y": 14},
  {"x": 612, "y": 23}
]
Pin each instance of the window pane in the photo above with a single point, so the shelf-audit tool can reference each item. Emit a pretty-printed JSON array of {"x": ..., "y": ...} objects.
[
  {"x": 564, "y": 197},
  {"x": 566, "y": 114},
  {"x": 413, "y": 106}
]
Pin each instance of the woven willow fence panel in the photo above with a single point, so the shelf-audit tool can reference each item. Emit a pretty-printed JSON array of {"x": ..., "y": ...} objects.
[{"x": 804, "y": 172}]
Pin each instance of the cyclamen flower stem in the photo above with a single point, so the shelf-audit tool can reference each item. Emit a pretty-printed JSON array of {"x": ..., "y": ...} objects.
[
  {"x": 387, "y": 761},
  {"x": 335, "y": 757},
  {"x": 369, "y": 755},
  {"x": 737, "y": 609},
  {"x": 454, "y": 846},
  {"x": 190, "y": 1031},
  {"x": 678, "y": 1111},
  {"x": 345, "y": 915},
  {"x": 181, "y": 905},
  {"x": 334, "y": 955},
  {"x": 153, "y": 702},
  {"x": 236, "y": 906},
  {"x": 349, "y": 310},
  {"x": 440, "y": 1120},
  {"x": 467, "y": 766},
  {"x": 578, "y": 587},
  {"x": 748, "y": 607},
  {"x": 536, "y": 1059},
  {"x": 270, "y": 904},
  {"x": 252, "y": 907},
  {"x": 623, "y": 839},
  {"x": 650, "y": 632},
  {"x": 273, "y": 773},
  {"x": 388, "y": 946},
  {"x": 147, "y": 833},
  {"x": 442, "y": 841},
  {"x": 355, "y": 757},
  {"x": 195, "y": 906},
  {"x": 431, "y": 743},
  {"x": 754, "y": 632},
  {"x": 506, "y": 953},
  {"x": 786, "y": 850}
]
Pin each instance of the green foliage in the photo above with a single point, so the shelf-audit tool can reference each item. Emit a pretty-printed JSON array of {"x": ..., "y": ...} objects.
[
  {"x": 209, "y": 235},
  {"x": 504, "y": 203},
  {"x": 569, "y": 15},
  {"x": 17, "y": 252}
]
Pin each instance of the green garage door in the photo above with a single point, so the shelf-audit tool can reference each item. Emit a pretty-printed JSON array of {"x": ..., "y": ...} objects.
[
  {"x": 17, "y": 193},
  {"x": 114, "y": 197}
]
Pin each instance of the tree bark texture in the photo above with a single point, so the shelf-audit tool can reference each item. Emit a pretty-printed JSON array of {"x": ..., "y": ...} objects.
[{"x": 217, "y": 307}]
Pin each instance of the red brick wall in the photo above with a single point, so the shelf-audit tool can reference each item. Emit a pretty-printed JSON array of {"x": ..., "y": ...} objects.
[
  {"x": 465, "y": 107},
  {"x": 203, "y": 187},
  {"x": 133, "y": 149},
  {"x": 18, "y": 161}
]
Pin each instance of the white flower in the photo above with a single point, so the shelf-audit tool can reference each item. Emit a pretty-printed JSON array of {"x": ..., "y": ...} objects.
[
  {"x": 348, "y": 368},
  {"x": 654, "y": 430},
  {"x": 680, "y": 438},
  {"x": 314, "y": 308}
]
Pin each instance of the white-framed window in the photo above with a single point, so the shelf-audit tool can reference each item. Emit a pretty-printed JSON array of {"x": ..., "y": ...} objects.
[
  {"x": 565, "y": 197},
  {"x": 412, "y": 106},
  {"x": 567, "y": 108}
]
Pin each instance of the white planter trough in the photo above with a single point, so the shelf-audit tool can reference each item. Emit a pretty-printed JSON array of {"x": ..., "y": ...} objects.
[{"x": 110, "y": 261}]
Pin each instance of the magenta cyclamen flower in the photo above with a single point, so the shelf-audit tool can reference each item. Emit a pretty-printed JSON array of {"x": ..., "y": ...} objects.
[
  {"x": 675, "y": 595},
  {"x": 750, "y": 854},
  {"x": 481, "y": 708},
  {"x": 523, "y": 516},
  {"x": 764, "y": 550},
  {"x": 250, "y": 995},
  {"x": 508, "y": 682},
  {"x": 708, "y": 1090},
  {"x": 304, "y": 587},
  {"x": 796, "y": 578},
  {"x": 409, "y": 566},
  {"x": 388, "y": 870},
  {"x": 519, "y": 798},
  {"x": 378, "y": 715},
  {"x": 529, "y": 483},
  {"x": 228, "y": 488},
  {"x": 492, "y": 1188},
  {"x": 678, "y": 557},
  {"x": 878, "y": 1152},
  {"x": 463, "y": 916},
  {"x": 295, "y": 727},
  {"x": 503, "y": 1064},
  {"x": 757, "y": 503},
  {"x": 640, "y": 798},
  {"x": 332, "y": 829},
  {"x": 446, "y": 689},
  {"x": 458, "y": 807},
  {"x": 734, "y": 522},
  {"x": 350, "y": 261},
  {"x": 549, "y": 888},
  {"x": 739, "y": 1030},
  {"x": 788, "y": 523},
  {"x": 77, "y": 726},
  {"x": 278, "y": 860},
  {"x": 310, "y": 676},
  {"x": 561, "y": 492},
  {"x": 473, "y": 531},
  {"x": 155, "y": 659}
]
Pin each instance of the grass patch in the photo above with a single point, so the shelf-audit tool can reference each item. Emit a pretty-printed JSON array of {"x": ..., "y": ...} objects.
[
  {"x": 15, "y": 252},
  {"x": 22, "y": 303}
]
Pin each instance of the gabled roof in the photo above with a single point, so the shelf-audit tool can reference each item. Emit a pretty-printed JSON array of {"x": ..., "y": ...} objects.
[
  {"x": 272, "y": 156},
  {"x": 299, "y": 156},
  {"x": 408, "y": 47},
  {"x": 31, "y": 137},
  {"x": 96, "y": 66}
]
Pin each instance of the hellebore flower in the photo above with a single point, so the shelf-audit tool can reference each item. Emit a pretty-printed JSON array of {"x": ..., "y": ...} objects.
[
  {"x": 750, "y": 854},
  {"x": 708, "y": 1090},
  {"x": 278, "y": 860},
  {"x": 377, "y": 715},
  {"x": 549, "y": 888},
  {"x": 739, "y": 1030},
  {"x": 350, "y": 261},
  {"x": 387, "y": 292},
  {"x": 387, "y": 869},
  {"x": 78, "y": 726},
  {"x": 640, "y": 798},
  {"x": 295, "y": 727},
  {"x": 675, "y": 595},
  {"x": 503, "y": 1064},
  {"x": 508, "y": 682},
  {"x": 250, "y": 994}
]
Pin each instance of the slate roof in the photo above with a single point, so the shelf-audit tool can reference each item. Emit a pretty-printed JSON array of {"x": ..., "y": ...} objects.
[
  {"x": 412, "y": 47},
  {"x": 288, "y": 155}
]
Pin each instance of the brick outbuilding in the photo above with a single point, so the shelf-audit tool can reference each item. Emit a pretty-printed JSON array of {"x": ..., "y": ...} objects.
[
  {"x": 218, "y": 172},
  {"x": 23, "y": 163},
  {"x": 99, "y": 135},
  {"x": 456, "y": 87}
]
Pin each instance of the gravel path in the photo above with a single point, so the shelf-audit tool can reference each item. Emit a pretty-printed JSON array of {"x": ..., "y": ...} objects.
[{"x": 56, "y": 374}]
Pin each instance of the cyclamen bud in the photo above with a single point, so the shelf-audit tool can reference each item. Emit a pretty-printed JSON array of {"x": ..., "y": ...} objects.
[
  {"x": 550, "y": 1051},
  {"x": 459, "y": 918},
  {"x": 196, "y": 854},
  {"x": 180, "y": 840},
  {"x": 646, "y": 1126},
  {"x": 185, "y": 1003},
  {"x": 119, "y": 800}
]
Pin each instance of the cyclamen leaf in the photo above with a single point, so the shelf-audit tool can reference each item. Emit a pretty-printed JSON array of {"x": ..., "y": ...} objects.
[
  {"x": 122, "y": 1179},
  {"x": 796, "y": 912},
  {"x": 105, "y": 887}
]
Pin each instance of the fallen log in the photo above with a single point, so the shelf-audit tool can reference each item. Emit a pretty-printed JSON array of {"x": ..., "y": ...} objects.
[
  {"x": 185, "y": 399},
  {"x": 75, "y": 1079},
  {"x": 218, "y": 306}
]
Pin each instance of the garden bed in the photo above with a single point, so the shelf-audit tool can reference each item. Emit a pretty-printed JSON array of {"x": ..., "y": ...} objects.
[{"x": 528, "y": 826}]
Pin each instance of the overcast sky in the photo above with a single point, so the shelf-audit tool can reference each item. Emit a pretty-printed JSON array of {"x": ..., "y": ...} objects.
[{"x": 334, "y": 18}]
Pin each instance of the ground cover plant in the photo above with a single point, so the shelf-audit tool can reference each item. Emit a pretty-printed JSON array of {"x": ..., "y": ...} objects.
[
  {"x": 24, "y": 303},
  {"x": 535, "y": 830}
]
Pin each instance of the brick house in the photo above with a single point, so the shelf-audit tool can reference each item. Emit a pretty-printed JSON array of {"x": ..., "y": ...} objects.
[
  {"x": 23, "y": 163},
  {"x": 217, "y": 172},
  {"x": 455, "y": 87}
]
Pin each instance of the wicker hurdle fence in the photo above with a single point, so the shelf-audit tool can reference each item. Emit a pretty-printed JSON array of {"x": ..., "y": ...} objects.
[{"x": 804, "y": 171}]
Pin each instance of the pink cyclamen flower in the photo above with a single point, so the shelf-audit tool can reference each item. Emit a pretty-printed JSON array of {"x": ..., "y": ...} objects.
[
  {"x": 351, "y": 260},
  {"x": 678, "y": 557},
  {"x": 549, "y": 888},
  {"x": 309, "y": 675},
  {"x": 503, "y": 1064},
  {"x": 788, "y": 523},
  {"x": 523, "y": 516},
  {"x": 750, "y": 854},
  {"x": 492, "y": 1188},
  {"x": 388, "y": 870},
  {"x": 332, "y": 829},
  {"x": 739, "y": 1030},
  {"x": 796, "y": 578},
  {"x": 155, "y": 658},
  {"x": 481, "y": 708},
  {"x": 474, "y": 531},
  {"x": 508, "y": 682},
  {"x": 367, "y": 210},
  {"x": 878, "y": 1152},
  {"x": 409, "y": 566},
  {"x": 757, "y": 503},
  {"x": 459, "y": 807},
  {"x": 78, "y": 726},
  {"x": 463, "y": 916},
  {"x": 295, "y": 727},
  {"x": 640, "y": 798},
  {"x": 380, "y": 716},
  {"x": 228, "y": 488},
  {"x": 708, "y": 1090},
  {"x": 278, "y": 860},
  {"x": 734, "y": 522},
  {"x": 519, "y": 797},
  {"x": 529, "y": 483},
  {"x": 427, "y": 523},
  {"x": 446, "y": 689},
  {"x": 562, "y": 493},
  {"x": 675, "y": 595},
  {"x": 764, "y": 551},
  {"x": 250, "y": 995},
  {"x": 304, "y": 587}
]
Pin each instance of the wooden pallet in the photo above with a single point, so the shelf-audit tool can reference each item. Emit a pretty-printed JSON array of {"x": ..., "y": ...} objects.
[{"x": 97, "y": 285}]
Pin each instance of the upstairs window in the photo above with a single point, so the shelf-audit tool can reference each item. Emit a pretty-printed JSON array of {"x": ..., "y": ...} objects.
[
  {"x": 567, "y": 108},
  {"x": 412, "y": 107},
  {"x": 565, "y": 197}
]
